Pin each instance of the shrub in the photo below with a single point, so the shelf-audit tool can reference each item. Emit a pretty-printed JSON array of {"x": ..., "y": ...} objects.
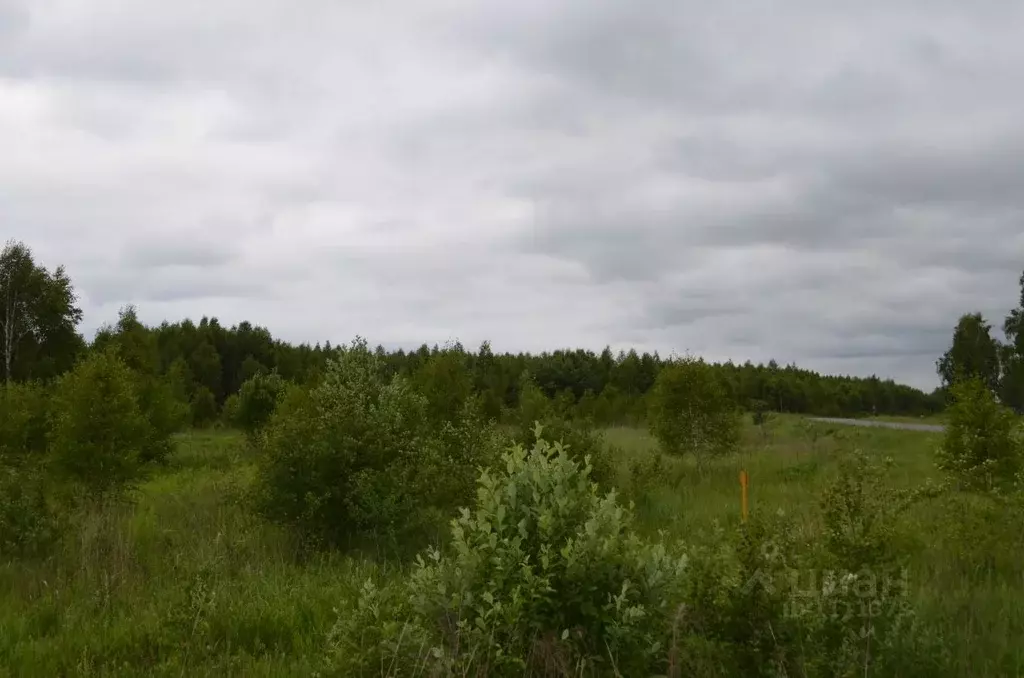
[
  {"x": 203, "y": 406},
  {"x": 759, "y": 412},
  {"x": 164, "y": 415},
  {"x": 981, "y": 448},
  {"x": 257, "y": 399},
  {"x": 690, "y": 411},
  {"x": 533, "y": 405},
  {"x": 766, "y": 605},
  {"x": 23, "y": 412},
  {"x": 229, "y": 414},
  {"x": 28, "y": 524},
  {"x": 446, "y": 382},
  {"x": 579, "y": 442},
  {"x": 578, "y": 439},
  {"x": 357, "y": 457},
  {"x": 98, "y": 432},
  {"x": 759, "y": 621},
  {"x": 864, "y": 623},
  {"x": 586, "y": 408},
  {"x": 546, "y": 576}
]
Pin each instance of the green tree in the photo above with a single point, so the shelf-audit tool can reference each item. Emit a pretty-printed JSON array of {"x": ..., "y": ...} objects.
[
  {"x": 179, "y": 379},
  {"x": 203, "y": 407},
  {"x": 229, "y": 412},
  {"x": 206, "y": 367},
  {"x": 533, "y": 404},
  {"x": 690, "y": 411},
  {"x": 257, "y": 400},
  {"x": 98, "y": 431},
  {"x": 1013, "y": 356},
  {"x": 357, "y": 457},
  {"x": 38, "y": 317},
  {"x": 974, "y": 354},
  {"x": 23, "y": 427},
  {"x": 982, "y": 446},
  {"x": 446, "y": 383},
  {"x": 135, "y": 344},
  {"x": 161, "y": 398}
]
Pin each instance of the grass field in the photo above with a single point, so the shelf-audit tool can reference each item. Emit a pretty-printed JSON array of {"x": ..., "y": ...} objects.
[{"x": 186, "y": 581}]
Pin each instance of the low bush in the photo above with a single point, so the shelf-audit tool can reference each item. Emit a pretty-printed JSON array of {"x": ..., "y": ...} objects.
[
  {"x": 257, "y": 399},
  {"x": 203, "y": 407},
  {"x": 767, "y": 604},
  {"x": 542, "y": 577},
  {"x": 164, "y": 415},
  {"x": 29, "y": 524},
  {"x": 229, "y": 412},
  {"x": 863, "y": 618},
  {"x": 23, "y": 425},
  {"x": 580, "y": 443},
  {"x": 578, "y": 438}
]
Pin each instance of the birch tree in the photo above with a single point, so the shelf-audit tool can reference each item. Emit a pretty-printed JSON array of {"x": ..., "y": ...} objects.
[{"x": 37, "y": 314}]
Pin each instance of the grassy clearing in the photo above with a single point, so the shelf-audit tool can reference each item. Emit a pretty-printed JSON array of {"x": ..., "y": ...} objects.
[
  {"x": 184, "y": 580},
  {"x": 936, "y": 419}
]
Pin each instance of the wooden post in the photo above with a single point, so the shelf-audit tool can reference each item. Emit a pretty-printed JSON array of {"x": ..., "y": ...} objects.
[{"x": 744, "y": 481}]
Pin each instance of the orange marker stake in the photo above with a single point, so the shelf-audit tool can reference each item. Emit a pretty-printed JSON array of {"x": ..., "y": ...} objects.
[{"x": 744, "y": 481}]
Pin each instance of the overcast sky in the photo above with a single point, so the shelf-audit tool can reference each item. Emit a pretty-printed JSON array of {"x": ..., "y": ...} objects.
[{"x": 830, "y": 184}]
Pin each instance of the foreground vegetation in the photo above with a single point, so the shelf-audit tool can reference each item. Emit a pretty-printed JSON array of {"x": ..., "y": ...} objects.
[
  {"x": 185, "y": 580},
  {"x": 449, "y": 513}
]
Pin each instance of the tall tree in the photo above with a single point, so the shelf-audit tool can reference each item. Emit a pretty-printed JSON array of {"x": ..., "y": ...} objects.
[
  {"x": 38, "y": 316},
  {"x": 1013, "y": 356},
  {"x": 974, "y": 354}
]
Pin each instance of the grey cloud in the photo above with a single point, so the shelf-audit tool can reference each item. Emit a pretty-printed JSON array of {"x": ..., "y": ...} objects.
[
  {"x": 192, "y": 252},
  {"x": 827, "y": 184}
]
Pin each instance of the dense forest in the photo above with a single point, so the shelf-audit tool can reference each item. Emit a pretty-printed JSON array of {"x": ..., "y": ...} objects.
[{"x": 207, "y": 362}]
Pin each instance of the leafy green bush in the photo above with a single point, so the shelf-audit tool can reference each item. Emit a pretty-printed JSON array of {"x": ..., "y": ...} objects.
[
  {"x": 163, "y": 413},
  {"x": 546, "y": 576},
  {"x": 203, "y": 407},
  {"x": 257, "y": 399},
  {"x": 982, "y": 447},
  {"x": 581, "y": 443},
  {"x": 691, "y": 411},
  {"x": 578, "y": 438},
  {"x": 765, "y": 604},
  {"x": 377, "y": 634},
  {"x": 23, "y": 412},
  {"x": 98, "y": 431},
  {"x": 229, "y": 413},
  {"x": 28, "y": 523},
  {"x": 864, "y": 594},
  {"x": 446, "y": 382},
  {"x": 358, "y": 457}
]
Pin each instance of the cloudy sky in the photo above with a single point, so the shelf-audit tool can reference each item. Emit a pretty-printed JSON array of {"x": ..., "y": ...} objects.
[{"x": 825, "y": 183}]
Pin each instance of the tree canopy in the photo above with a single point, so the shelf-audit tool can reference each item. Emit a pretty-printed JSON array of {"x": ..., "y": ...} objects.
[{"x": 38, "y": 317}]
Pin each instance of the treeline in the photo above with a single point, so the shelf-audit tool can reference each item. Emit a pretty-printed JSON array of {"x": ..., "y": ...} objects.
[
  {"x": 207, "y": 362},
  {"x": 975, "y": 354},
  {"x": 211, "y": 362}
]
